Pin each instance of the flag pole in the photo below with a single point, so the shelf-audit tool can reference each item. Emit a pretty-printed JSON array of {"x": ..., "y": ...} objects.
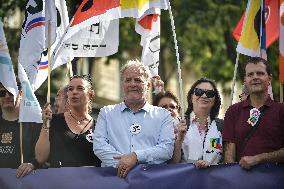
[
  {"x": 178, "y": 61},
  {"x": 21, "y": 142},
  {"x": 281, "y": 92},
  {"x": 234, "y": 78},
  {"x": 49, "y": 66}
]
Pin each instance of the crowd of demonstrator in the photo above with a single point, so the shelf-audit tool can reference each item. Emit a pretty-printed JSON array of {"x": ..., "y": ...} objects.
[{"x": 136, "y": 132}]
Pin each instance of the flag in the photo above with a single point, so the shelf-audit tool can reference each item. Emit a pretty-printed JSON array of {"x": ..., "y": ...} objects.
[
  {"x": 58, "y": 25},
  {"x": 33, "y": 37},
  {"x": 148, "y": 27},
  {"x": 281, "y": 43},
  {"x": 7, "y": 75},
  {"x": 271, "y": 19},
  {"x": 98, "y": 40},
  {"x": 92, "y": 12},
  {"x": 253, "y": 37},
  {"x": 30, "y": 110}
]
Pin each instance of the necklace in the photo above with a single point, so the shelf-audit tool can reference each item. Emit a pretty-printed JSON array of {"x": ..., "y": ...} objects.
[{"x": 78, "y": 121}]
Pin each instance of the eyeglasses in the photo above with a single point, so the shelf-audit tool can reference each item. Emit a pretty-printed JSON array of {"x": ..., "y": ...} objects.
[
  {"x": 4, "y": 92},
  {"x": 208, "y": 93},
  {"x": 169, "y": 106},
  {"x": 85, "y": 77}
]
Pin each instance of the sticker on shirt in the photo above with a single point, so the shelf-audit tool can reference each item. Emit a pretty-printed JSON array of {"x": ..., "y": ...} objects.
[
  {"x": 135, "y": 129},
  {"x": 215, "y": 143},
  {"x": 253, "y": 116},
  {"x": 89, "y": 137}
]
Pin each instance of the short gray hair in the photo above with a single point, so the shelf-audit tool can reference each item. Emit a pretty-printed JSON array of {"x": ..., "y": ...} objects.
[{"x": 137, "y": 64}]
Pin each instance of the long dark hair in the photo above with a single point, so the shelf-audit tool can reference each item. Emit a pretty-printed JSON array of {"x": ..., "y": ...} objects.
[{"x": 216, "y": 107}]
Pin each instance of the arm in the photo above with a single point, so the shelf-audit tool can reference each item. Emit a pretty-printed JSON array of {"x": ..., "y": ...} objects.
[
  {"x": 229, "y": 152},
  {"x": 178, "y": 142},
  {"x": 248, "y": 162},
  {"x": 42, "y": 148},
  {"x": 102, "y": 149},
  {"x": 163, "y": 150}
]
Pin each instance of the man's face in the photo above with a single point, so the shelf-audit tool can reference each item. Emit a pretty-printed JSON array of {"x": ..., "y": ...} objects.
[
  {"x": 135, "y": 85},
  {"x": 257, "y": 79},
  {"x": 6, "y": 99}
]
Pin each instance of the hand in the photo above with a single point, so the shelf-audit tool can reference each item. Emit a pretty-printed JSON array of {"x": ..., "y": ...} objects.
[
  {"x": 24, "y": 169},
  {"x": 158, "y": 84},
  {"x": 125, "y": 164},
  {"x": 247, "y": 162},
  {"x": 182, "y": 129},
  {"x": 46, "y": 113},
  {"x": 201, "y": 164}
]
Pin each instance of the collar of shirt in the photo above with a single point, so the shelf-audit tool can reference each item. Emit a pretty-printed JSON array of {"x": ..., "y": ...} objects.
[
  {"x": 246, "y": 103},
  {"x": 145, "y": 108}
]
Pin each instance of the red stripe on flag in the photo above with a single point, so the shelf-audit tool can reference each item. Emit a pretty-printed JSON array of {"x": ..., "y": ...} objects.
[
  {"x": 147, "y": 21},
  {"x": 272, "y": 26},
  {"x": 43, "y": 67},
  {"x": 35, "y": 25},
  {"x": 90, "y": 8}
]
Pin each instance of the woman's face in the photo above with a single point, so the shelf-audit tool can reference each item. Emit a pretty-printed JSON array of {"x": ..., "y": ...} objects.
[
  {"x": 203, "y": 98},
  {"x": 78, "y": 93},
  {"x": 170, "y": 105}
]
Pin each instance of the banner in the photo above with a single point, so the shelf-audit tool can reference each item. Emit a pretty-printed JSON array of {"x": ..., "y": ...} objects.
[
  {"x": 177, "y": 176},
  {"x": 271, "y": 19},
  {"x": 149, "y": 28},
  {"x": 7, "y": 74},
  {"x": 281, "y": 43}
]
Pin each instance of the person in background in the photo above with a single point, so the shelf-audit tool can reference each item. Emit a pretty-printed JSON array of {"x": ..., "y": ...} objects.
[
  {"x": 254, "y": 128},
  {"x": 199, "y": 138},
  {"x": 68, "y": 140},
  {"x": 133, "y": 131},
  {"x": 170, "y": 102},
  {"x": 60, "y": 104},
  {"x": 10, "y": 150}
]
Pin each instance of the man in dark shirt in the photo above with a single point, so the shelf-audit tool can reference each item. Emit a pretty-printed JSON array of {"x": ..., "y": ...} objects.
[
  {"x": 254, "y": 128},
  {"x": 10, "y": 150}
]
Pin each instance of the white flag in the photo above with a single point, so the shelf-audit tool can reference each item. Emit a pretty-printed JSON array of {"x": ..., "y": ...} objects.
[
  {"x": 97, "y": 40},
  {"x": 33, "y": 40},
  {"x": 148, "y": 27},
  {"x": 7, "y": 75},
  {"x": 30, "y": 110},
  {"x": 62, "y": 21}
]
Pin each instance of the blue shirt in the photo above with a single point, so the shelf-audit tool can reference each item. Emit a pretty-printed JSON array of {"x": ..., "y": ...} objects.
[{"x": 149, "y": 133}]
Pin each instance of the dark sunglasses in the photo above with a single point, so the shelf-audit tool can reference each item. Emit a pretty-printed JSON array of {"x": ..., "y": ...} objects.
[
  {"x": 170, "y": 106},
  {"x": 87, "y": 78},
  {"x": 208, "y": 93},
  {"x": 4, "y": 92}
]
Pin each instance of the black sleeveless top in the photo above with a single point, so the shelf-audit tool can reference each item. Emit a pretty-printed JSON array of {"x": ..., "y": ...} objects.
[{"x": 68, "y": 149}]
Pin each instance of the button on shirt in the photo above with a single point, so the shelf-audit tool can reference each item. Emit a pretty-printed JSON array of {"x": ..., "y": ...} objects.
[{"x": 148, "y": 132}]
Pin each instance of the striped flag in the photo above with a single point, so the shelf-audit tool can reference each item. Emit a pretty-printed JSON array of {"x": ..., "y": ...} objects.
[
  {"x": 252, "y": 41},
  {"x": 149, "y": 28},
  {"x": 7, "y": 75},
  {"x": 271, "y": 17},
  {"x": 281, "y": 43},
  {"x": 58, "y": 25}
]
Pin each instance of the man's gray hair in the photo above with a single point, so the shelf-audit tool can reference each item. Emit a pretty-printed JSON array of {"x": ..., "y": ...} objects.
[{"x": 137, "y": 64}]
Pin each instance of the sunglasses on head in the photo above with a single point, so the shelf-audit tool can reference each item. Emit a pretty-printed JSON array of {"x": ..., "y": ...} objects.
[
  {"x": 208, "y": 93},
  {"x": 4, "y": 92}
]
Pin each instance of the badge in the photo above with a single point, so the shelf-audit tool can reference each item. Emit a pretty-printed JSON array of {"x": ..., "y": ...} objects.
[
  {"x": 135, "y": 129},
  {"x": 253, "y": 117}
]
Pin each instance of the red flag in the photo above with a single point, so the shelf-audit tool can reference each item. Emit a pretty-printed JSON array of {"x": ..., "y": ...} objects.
[{"x": 272, "y": 20}]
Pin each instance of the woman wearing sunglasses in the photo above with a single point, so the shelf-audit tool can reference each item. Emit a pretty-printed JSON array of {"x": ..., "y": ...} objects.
[
  {"x": 68, "y": 141},
  {"x": 199, "y": 139}
]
